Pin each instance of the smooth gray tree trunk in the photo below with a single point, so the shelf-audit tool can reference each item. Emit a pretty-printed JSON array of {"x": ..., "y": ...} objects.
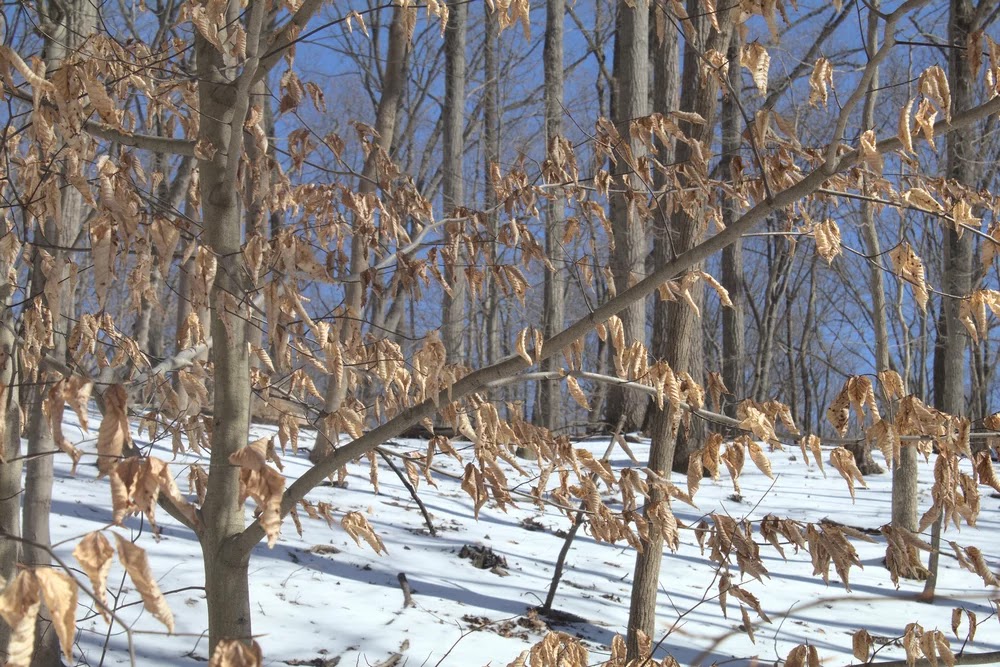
[
  {"x": 630, "y": 100},
  {"x": 453, "y": 178},
  {"x": 10, "y": 442},
  {"x": 491, "y": 155},
  {"x": 682, "y": 329},
  {"x": 550, "y": 400},
  {"x": 949, "y": 351},
  {"x": 733, "y": 319},
  {"x": 863, "y": 451},
  {"x": 68, "y": 25},
  {"x": 223, "y": 105}
]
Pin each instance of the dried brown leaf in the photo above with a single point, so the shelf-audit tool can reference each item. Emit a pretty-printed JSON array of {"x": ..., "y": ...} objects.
[
  {"x": 827, "y": 236},
  {"x": 576, "y": 392},
  {"x": 59, "y": 593},
  {"x": 94, "y": 553},
  {"x": 113, "y": 434},
  {"x": 747, "y": 624},
  {"x": 759, "y": 458},
  {"x": 862, "y": 643},
  {"x": 136, "y": 563},
  {"x": 235, "y": 653},
  {"x": 820, "y": 81},
  {"x": 908, "y": 265},
  {"x": 903, "y": 132},
  {"x": 358, "y": 528},
  {"x": 756, "y": 59},
  {"x": 19, "y": 605},
  {"x": 843, "y": 461}
]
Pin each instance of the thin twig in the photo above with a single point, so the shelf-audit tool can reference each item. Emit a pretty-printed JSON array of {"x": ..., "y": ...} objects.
[{"x": 411, "y": 489}]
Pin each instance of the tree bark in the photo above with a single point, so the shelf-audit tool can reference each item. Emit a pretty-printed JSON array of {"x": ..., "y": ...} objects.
[
  {"x": 68, "y": 25},
  {"x": 779, "y": 261},
  {"x": 550, "y": 401},
  {"x": 949, "y": 351},
  {"x": 393, "y": 83},
  {"x": 733, "y": 319},
  {"x": 491, "y": 156},
  {"x": 10, "y": 445},
  {"x": 453, "y": 141},
  {"x": 630, "y": 100},
  {"x": 681, "y": 343},
  {"x": 224, "y": 104},
  {"x": 666, "y": 97}
]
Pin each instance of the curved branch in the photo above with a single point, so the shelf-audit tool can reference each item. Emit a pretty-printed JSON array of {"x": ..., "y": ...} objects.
[
  {"x": 871, "y": 68},
  {"x": 481, "y": 379}
]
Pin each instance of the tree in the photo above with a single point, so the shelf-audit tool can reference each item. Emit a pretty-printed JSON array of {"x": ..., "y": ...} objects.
[
  {"x": 950, "y": 346},
  {"x": 553, "y": 300},
  {"x": 310, "y": 286},
  {"x": 453, "y": 143},
  {"x": 684, "y": 232},
  {"x": 733, "y": 321},
  {"x": 629, "y": 100}
]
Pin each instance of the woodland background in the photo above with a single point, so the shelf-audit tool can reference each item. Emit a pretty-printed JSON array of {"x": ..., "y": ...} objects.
[{"x": 511, "y": 225}]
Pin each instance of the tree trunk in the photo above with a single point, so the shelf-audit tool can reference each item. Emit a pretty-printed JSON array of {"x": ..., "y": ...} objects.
[
  {"x": 904, "y": 470},
  {"x": 10, "y": 445},
  {"x": 681, "y": 328},
  {"x": 779, "y": 259},
  {"x": 949, "y": 351},
  {"x": 863, "y": 450},
  {"x": 646, "y": 579},
  {"x": 666, "y": 97},
  {"x": 550, "y": 403},
  {"x": 491, "y": 155},
  {"x": 227, "y": 589},
  {"x": 393, "y": 83},
  {"x": 629, "y": 101},
  {"x": 70, "y": 24},
  {"x": 733, "y": 320},
  {"x": 224, "y": 105},
  {"x": 805, "y": 350},
  {"x": 453, "y": 115}
]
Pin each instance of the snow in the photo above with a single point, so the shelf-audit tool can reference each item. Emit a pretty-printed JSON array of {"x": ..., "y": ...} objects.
[{"x": 313, "y": 604}]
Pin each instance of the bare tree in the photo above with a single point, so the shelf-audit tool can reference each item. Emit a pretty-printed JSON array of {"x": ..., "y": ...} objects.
[
  {"x": 950, "y": 349},
  {"x": 66, "y": 26},
  {"x": 400, "y": 32},
  {"x": 453, "y": 141},
  {"x": 630, "y": 100},
  {"x": 491, "y": 157},
  {"x": 733, "y": 320},
  {"x": 553, "y": 304}
]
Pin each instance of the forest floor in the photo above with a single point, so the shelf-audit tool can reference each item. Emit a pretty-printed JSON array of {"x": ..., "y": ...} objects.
[{"x": 320, "y": 599}]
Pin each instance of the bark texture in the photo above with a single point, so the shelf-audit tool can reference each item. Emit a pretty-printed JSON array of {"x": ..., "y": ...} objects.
[
  {"x": 453, "y": 181},
  {"x": 681, "y": 329},
  {"x": 949, "y": 351},
  {"x": 393, "y": 83},
  {"x": 733, "y": 319},
  {"x": 67, "y": 26},
  {"x": 630, "y": 100},
  {"x": 550, "y": 401},
  {"x": 10, "y": 445},
  {"x": 491, "y": 156},
  {"x": 666, "y": 96},
  {"x": 224, "y": 104}
]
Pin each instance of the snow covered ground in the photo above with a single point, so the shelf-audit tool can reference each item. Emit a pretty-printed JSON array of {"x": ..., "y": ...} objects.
[{"x": 320, "y": 597}]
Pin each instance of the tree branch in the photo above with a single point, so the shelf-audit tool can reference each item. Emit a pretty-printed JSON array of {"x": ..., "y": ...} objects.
[
  {"x": 481, "y": 379},
  {"x": 145, "y": 142},
  {"x": 286, "y": 37}
]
